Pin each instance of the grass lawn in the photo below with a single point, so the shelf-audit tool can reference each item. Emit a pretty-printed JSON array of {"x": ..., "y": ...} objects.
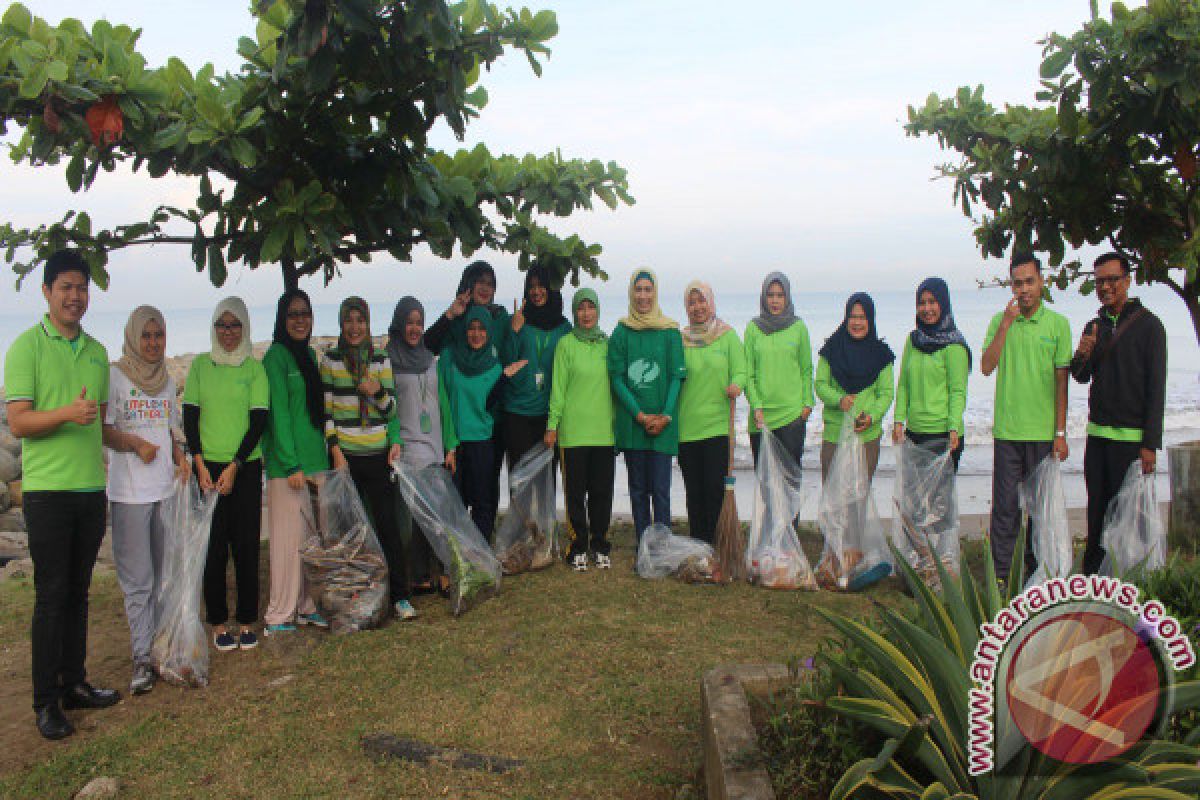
[{"x": 592, "y": 680}]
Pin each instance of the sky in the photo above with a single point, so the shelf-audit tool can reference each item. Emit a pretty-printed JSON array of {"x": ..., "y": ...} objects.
[{"x": 757, "y": 136}]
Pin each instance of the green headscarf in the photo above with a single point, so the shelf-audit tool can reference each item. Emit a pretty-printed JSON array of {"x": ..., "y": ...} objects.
[
  {"x": 474, "y": 362},
  {"x": 593, "y": 334}
]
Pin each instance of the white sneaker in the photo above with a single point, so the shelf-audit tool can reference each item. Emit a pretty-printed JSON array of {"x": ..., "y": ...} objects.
[
  {"x": 579, "y": 563},
  {"x": 603, "y": 561}
]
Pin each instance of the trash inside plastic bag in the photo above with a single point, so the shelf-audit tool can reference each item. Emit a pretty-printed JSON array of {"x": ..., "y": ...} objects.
[
  {"x": 344, "y": 566},
  {"x": 525, "y": 539},
  {"x": 925, "y": 529},
  {"x": 774, "y": 558},
  {"x": 856, "y": 554},
  {"x": 180, "y": 648},
  {"x": 1045, "y": 503},
  {"x": 662, "y": 553},
  {"x": 1134, "y": 538},
  {"x": 468, "y": 561}
]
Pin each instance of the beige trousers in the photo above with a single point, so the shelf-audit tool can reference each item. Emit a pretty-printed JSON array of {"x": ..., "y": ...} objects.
[{"x": 289, "y": 520}]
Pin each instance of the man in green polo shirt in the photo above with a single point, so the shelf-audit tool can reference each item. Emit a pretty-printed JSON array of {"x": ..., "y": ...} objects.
[
  {"x": 56, "y": 383},
  {"x": 1028, "y": 346}
]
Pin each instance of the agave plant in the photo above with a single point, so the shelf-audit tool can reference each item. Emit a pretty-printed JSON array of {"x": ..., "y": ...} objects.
[{"x": 917, "y": 696}]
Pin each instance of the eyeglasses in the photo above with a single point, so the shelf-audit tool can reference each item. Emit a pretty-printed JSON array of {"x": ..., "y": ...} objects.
[
  {"x": 228, "y": 327},
  {"x": 299, "y": 315},
  {"x": 1110, "y": 280}
]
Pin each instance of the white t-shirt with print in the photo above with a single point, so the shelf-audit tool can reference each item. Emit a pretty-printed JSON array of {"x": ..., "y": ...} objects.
[{"x": 131, "y": 410}]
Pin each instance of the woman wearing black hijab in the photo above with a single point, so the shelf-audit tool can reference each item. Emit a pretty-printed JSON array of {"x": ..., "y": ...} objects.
[{"x": 854, "y": 375}]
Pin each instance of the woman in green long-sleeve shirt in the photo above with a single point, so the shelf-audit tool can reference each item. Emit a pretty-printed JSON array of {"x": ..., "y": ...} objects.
[
  {"x": 580, "y": 423},
  {"x": 293, "y": 447},
  {"x": 716, "y": 366},
  {"x": 646, "y": 366},
  {"x": 854, "y": 375},
  {"x": 931, "y": 393},
  {"x": 779, "y": 369}
]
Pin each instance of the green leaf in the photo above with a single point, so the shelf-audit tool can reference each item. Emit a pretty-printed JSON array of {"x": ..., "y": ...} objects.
[
  {"x": 18, "y": 18},
  {"x": 75, "y": 172},
  {"x": 243, "y": 151},
  {"x": 56, "y": 71},
  {"x": 1055, "y": 63},
  {"x": 34, "y": 81},
  {"x": 272, "y": 247}
]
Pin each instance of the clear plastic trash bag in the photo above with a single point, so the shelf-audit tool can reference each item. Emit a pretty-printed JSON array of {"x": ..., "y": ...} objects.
[
  {"x": 525, "y": 539},
  {"x": 662, "y": 554},
  {"x": 1134, "y": 538},
  {"x": 925, "y": 528},
  {"x": 774, "y": 558},
  {"x": 1045, "y": 503},
  {"x": 855, "y": 554},
  {"x": 468, "y": 561},
  {"x": 180, "y": 648},
  {"x": 344, "y": 567}
]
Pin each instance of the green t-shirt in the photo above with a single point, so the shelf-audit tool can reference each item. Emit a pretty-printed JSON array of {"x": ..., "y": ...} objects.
[
  {"x": 779, "y": 374},
  {"x": 581, "y": 407},
  {"x": 931, "y": 393},
  {"x": 647, "y": 371},
  {"x": 876, "y": 399},
  {"x": 291, "y": 442},
  {"x": 45, "y": 368},
  {"x": 528, "y": 394},
  {"x": 703, "y": 403},
  {"x": 468, "y": 396},
  {"x": 1025, "y": 376},
  {"x": 225, "y": 397}
]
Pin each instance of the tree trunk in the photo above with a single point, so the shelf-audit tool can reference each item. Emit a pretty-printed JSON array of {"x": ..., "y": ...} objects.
[{"x": 291, "y": 276}]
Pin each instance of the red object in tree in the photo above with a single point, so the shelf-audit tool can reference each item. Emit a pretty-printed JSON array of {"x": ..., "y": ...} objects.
[{"x": 106, "y": 121}]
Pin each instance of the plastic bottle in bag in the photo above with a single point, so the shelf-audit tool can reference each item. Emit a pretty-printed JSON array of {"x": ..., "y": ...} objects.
[
  {"x": 180, "y": 648},
  {"x": 1043, "y": 500},
  {"x": 468, "y": 561},
  {"x": 1134, "y": 538},
  {"x": 344, "y": 566},
  {"x": 774, "y": 558},
  {"x": 662, "y": 554},
  {"x": 925, "y": 529},
  {"x": 855, "y": 554},
  {"x": 525, "y": 539}
]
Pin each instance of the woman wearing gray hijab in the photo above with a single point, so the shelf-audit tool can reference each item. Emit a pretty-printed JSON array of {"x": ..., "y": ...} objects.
[
  {"x": 423, "y": 411},
  {"x": 779, "y": 368}
]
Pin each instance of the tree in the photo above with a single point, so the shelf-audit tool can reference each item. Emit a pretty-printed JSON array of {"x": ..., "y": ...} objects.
[
  {"x": 1109, "y": 157},
  {"x": 313, "y": 155}
]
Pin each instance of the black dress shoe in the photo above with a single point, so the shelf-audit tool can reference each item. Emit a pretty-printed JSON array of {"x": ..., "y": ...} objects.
[
  {"x": 52, "y": 723},
  {"x": 84, "y": 695}
]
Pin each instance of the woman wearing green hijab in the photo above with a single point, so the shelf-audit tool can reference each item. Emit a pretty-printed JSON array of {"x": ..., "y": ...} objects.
[
  {"x": 474, "y": 382},
  {"x": 364, "y": 436},
  {"x": 646, "y": 366},
  {"x": 581, "y": 424}
]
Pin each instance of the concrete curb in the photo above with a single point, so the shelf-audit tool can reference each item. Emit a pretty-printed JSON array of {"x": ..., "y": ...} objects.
[{"x": 731, "y": 771}]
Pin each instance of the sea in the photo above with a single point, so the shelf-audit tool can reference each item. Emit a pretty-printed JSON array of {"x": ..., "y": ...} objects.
[{"x": 188, "y": 332}]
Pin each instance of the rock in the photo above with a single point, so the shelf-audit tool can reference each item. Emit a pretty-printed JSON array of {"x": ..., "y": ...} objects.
[
  {"x": 13, "y": 546},
  {"x": 5, "y": 498},
  {"x": 8, "y": 442},
  {"x": 10, "y": 467},
  {"x": 12, "y": 520},
  {"x": 15, "y": 494},
  {"x": 21, "y": 568},
  {"x": 99, "y": 789}
]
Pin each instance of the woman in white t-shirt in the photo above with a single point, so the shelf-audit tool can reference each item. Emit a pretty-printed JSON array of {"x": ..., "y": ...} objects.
[{"x": 143, "y": 465}]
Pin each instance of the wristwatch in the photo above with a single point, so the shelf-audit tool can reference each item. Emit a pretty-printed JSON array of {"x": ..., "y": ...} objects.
[{"x": 1058, "y": 434}]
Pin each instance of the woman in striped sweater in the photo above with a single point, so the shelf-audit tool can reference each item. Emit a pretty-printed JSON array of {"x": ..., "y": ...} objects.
[{"x": 363, "y": 433}]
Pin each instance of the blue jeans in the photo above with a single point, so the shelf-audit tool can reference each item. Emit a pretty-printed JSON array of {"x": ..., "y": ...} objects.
[{"x": 649, "y": 479}]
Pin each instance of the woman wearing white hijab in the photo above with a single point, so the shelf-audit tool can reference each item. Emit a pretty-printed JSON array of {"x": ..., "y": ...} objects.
[
  {"x": 143, "y": 465},
  {"x": 225, "y": 402}
]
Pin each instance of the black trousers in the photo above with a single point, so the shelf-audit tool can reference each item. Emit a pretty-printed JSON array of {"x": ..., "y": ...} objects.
[
  {"x": 521, "y": 433},
  {"x": 926, "y": 438},
  {"x": 1012, "y": 463},
  {"x": 373, "y": 480},
  {"x": 588, "y": 474},
  {"x": 236, "y": 530},
  {"x": 65, "y": 531},
  {"x": 704, "y": 463},
  {"x": 790, "y": 435},
  {"x": 473, "y": 477},
  {"x": 1105, "y": 463}
]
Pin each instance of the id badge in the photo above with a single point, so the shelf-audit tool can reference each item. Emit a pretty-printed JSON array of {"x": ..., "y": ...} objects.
[
  {"x": 539, "y": 378},
  {"x": 426, "y": 422}
]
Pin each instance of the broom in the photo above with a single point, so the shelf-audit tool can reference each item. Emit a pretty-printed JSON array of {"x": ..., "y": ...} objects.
[{"x": 731, "y": 540}]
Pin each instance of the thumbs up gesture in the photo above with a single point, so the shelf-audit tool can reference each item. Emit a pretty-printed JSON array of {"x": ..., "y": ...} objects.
[{"x": 82, "y": 411}]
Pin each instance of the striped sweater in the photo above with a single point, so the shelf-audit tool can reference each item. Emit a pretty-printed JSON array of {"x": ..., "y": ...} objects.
[{"x": 345, "y": 424}]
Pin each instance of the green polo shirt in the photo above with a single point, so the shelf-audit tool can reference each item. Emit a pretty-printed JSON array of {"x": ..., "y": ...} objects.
[
  {"x": 225, "y": 396},
  {"x": 703, "y": 403},
  {"x": 581, "y": 407},
  {"x": 931, "y": 393},
  {"x": 44, "y": 367},
  {"x": 779, "y": 374},
  {"x": 875, "y": 400},
  {"x": 1025, "y": 384}
]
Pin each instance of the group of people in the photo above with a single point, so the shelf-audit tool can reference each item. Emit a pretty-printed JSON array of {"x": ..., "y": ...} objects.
[{"x": 480, "y": 386}]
